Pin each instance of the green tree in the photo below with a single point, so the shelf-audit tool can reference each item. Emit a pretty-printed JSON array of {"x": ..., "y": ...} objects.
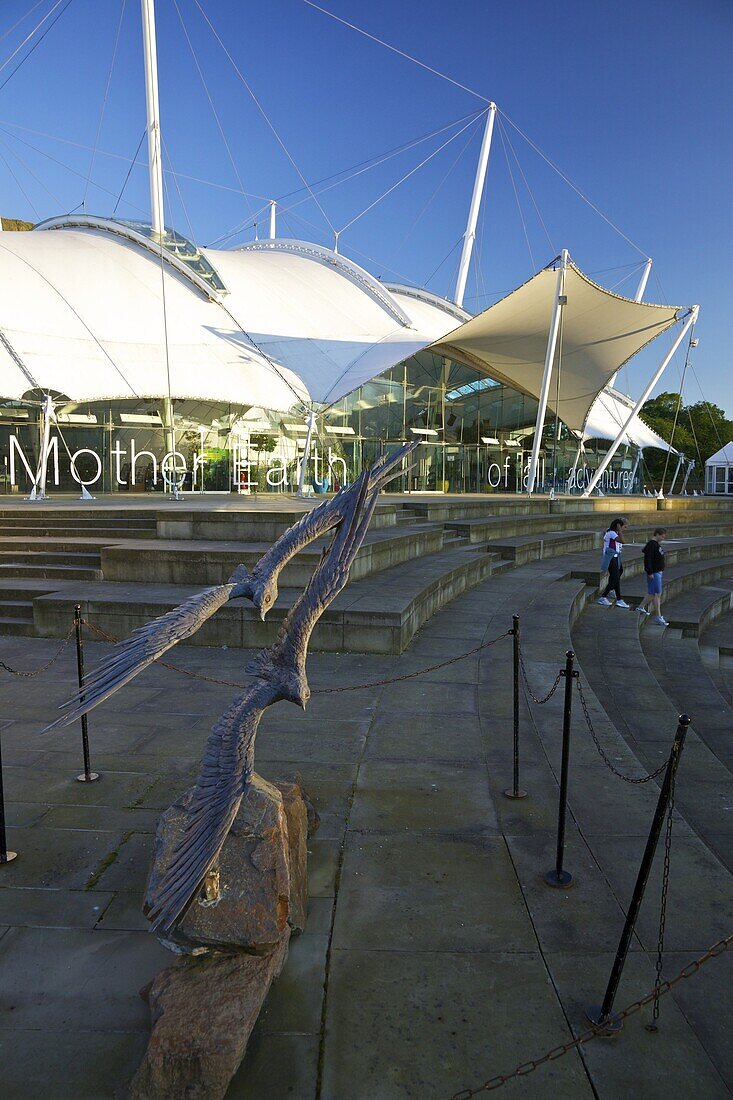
[{"x": 701, "y": 429}]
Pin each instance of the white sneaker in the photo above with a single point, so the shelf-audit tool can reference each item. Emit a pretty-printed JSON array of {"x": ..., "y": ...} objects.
[
  {"x": 643, "y": 610},
  {"x": 623, "y": 603},
  {"x": 660, "y": 619},
  {"x": 604, "y": 602}
]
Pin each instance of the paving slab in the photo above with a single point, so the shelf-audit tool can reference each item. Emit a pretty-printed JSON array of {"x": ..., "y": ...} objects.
[
  {"x": 406, "y": 893},
  {"x": 636, "y": 1062},
  {"x": 409, "y": 1035},
  {"x": 422, "y": 798}
]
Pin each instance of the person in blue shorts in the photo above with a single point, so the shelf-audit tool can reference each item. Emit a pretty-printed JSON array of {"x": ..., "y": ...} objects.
[{"x": 654, "y": 568}]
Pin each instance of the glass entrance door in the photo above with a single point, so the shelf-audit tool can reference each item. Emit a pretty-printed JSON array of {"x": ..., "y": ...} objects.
[{"x": 428, "y": 473}]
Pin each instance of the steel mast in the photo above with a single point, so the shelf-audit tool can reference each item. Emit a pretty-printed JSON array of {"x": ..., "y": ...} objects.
[
  {"x": 155, "y": 159},
  {"x": 478, "y": 189}
]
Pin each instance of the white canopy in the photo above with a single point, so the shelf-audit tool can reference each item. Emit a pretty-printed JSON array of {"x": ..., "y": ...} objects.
[
  {"x": 85, "y": 308},
  {"x": 600, "y": 332},
  {"x": 723, "y": 457},
  {"x": 607, "y": 416}
]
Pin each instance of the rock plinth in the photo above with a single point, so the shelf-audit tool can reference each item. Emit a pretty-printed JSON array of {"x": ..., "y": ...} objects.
[
  {"x": 233, "y": 941},
  {"x": 250, "y": 908}
]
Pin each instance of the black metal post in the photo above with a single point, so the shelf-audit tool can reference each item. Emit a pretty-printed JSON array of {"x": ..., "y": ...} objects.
[
  {"x": 514, "y": 791},
  {"x": 558, "y": 876},
  {"x": 87, "y": 776},
  {"x": 5, "y": 855},
  {"x": 602, "y": 1015}
]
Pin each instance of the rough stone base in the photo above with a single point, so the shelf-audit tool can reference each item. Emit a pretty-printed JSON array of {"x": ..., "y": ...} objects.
[
  {"x": 204, "y": 1007},
  {"x": 249, "y": 906},
  {"x": 203, "y": 1010}
]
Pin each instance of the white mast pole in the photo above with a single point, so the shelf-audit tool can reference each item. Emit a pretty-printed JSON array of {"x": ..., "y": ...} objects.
[
  {"x": 639, "y": 453},
  {"x": 650, "y": 386},
  {"x": 644, "y": 280},
  {"x": 155, "y": 159},
  {"x": 311, "y": 422},
  {"x": 38, "y": 491},
  {"x": 637, "y": 298},
  {"x": 547, "y": 375},
  {"x": 680, "y": 460},
  {"x": 478, "y": 189},
  {"x": 273, "y": 217}
]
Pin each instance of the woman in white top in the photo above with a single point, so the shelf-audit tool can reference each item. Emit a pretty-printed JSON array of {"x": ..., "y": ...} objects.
[{"x": 613, "y": 542}]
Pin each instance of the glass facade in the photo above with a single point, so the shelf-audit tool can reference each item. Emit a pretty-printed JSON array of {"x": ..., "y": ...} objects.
[
  {"x": 477, "y": 433},
  {"x": 477, "y": 438}
]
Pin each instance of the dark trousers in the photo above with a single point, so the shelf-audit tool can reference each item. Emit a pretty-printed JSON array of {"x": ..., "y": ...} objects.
[{"x": 615, "y": 570}]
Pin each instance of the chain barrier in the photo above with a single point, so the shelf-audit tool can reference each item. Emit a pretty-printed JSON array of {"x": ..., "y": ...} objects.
[
  {"x": 317, "y": 691},
  {"x": 525, "y": 677},
  {"x": 663, "y": 906},
  {"x": 660, "y": 989},
  {"x": 636, "y": 780},
  {"x": 44, "y": 668}
]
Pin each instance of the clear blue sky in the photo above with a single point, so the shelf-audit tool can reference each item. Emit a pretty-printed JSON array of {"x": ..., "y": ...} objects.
[{"x": 630, "y": 98}]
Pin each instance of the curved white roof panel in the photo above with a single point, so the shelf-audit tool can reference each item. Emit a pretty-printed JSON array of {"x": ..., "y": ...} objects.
[
  {"x": 331, "y": 322},
  {"x": 608, "y": 415},
  {"x": 274, "y": 323},
  {"x": 83, "y": 311}
]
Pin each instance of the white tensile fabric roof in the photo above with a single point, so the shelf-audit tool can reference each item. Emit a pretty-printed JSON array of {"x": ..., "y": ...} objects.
[
  {"x": 82, "y": 307},
  {"x": 600, "y": 332},
  {"x": 608, "y": 415},
  {"x": 82, "y": 314},
  {"x": 723, "y": 457}
]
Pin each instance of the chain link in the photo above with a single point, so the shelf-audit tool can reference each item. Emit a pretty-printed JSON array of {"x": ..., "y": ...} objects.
[
  {"x": 660, "y": 989},
  {"x": 663, "y": 904},
  {"x": 420, "y": 672},
  {"x": 532, "y": 695},
  {"x": 44, "y": 668},
  {"x": 317, "y": 691},
  {"x": 601, "y": 752}
]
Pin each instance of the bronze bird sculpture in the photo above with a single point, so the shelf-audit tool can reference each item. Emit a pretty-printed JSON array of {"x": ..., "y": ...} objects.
[
  {"x": 278, "y": 673},
  {"x": 149, "y": 642}
]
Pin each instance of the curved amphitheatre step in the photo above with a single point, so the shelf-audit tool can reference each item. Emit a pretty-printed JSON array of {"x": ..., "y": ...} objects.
[
  {"x": 405, "y": 571},
  {"x": 178, "y": 561},
  {"x": 608, "y": 821},
  {"x": 715, "y": 644},
  {"x": 378, "y": 614},
  {"x": 675, "y": 662},
  {"x": 610, "y": 649}
]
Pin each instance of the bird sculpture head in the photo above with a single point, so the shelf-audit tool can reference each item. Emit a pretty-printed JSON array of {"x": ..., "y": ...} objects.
[
  {"x": 296, "y": 689},
  {"x": 262, "y": 591},
  {"x": 264, "y": 594}
]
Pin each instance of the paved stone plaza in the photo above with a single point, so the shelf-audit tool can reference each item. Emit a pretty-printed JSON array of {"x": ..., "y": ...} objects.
[{"x": 435, "y": 956}]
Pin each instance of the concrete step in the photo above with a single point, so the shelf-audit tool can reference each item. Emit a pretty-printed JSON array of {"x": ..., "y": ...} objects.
[
  {"x": 609, "y": 646},
  {"x": 526, "y": 548},
  {"x": 174, "y": 561},
  {"x": 378, "y": 614},
  {"x": 49, "y": 572},
  {"x": 692, "y": 611},
  {"x": 38, "y": 557},
  {"x": 17, "y": 609},
  {"x": 80, "y": 531},
  {"x": 20, "y": 627}
]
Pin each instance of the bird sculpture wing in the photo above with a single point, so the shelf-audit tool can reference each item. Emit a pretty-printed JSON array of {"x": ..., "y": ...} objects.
[
  {"x": 225, "y": 770},
  {"x": 149, "y": 642},
  {"x": 145, "y": 645},
  {"x": 319, "y": 521},
  {"x": 286, "y": 657}
]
